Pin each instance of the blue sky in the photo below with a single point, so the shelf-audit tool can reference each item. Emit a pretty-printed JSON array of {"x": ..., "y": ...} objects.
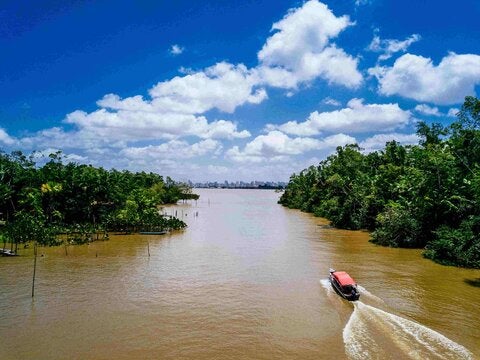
[{"x": 224, "y": 90}]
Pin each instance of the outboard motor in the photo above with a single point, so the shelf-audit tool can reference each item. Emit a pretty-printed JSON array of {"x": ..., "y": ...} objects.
[{"x": 354, "y": 292}]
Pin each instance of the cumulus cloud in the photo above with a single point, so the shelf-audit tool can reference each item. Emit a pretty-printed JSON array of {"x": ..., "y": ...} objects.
[
  {"x": 388, "y": 47},
  {"x": 357, "y": 117},
  {"x": 416, "y": 77},
  {"x": 130, "y": 126},
  {"x": 103, "y": 128},
  {"x": 223, "y": 86},
  {"x": 378, "y": 141},
  {"x": 276, "y": 145},
  {"x": 5, "y": 138},
  {"x": 300, "y": 50},
  {"x": 174, "y": 149},
  {"x": 176, "y": 49},
  {"x": 58, "y": 138},
  {"x": 428, "y": 110}
]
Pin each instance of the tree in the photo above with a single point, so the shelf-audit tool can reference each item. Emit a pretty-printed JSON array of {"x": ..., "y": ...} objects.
[{"x": 425, "y": 196}]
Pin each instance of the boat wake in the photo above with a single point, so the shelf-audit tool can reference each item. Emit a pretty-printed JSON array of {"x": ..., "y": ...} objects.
[
  {"x": 369, "y": 295},
  {"x": 372, "y": 333},
  {"x": 326, "y": 285}
]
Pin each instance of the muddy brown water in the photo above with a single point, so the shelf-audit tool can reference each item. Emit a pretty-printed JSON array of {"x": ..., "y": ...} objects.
[{"x": 246, "y": 280}]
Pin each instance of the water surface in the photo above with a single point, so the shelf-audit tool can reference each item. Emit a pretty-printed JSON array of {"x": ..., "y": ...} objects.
[{"x": 246, "y": 280}]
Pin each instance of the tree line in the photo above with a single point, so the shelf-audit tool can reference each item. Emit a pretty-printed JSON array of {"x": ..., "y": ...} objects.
[
  {"x": 416, "y": 196},
  {"x": 59, "y": 202}
]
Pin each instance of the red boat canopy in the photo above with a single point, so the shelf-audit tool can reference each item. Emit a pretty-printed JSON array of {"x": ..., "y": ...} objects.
[{"x": 343, "y": 278}]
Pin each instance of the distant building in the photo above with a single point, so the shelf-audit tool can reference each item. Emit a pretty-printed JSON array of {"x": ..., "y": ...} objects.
[{"x": 241, "y": 185}]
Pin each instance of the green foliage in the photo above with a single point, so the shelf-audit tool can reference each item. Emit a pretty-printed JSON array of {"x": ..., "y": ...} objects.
[
  {"x": 457, "y": 246},
  {"x": 39, "y": 203},
  {"x": 396, "y": 227},
  {"x": 28, "y": 227},
  {"x": 425, "y": 196}
]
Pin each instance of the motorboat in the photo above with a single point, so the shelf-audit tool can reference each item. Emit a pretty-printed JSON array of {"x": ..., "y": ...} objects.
[
  {"x": 6, "y": 252},
  {"x": 344, "y": 285},
  {"x": 162, "y": 232}
]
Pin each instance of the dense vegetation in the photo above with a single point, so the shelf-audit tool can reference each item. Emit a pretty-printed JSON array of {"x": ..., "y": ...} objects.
[
  {"x": 70, "y": 202},
  {"x": 422, "y": 196}
]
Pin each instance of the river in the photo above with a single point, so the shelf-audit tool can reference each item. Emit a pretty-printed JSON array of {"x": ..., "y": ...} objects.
[{"x": 246, "y": 280}]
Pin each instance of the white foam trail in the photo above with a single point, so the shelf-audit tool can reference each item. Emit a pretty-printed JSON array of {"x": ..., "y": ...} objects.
[
  {"x": 326, "y": 285},
  {"x": 372, "y": 333},
  {"x": 368, "y": 294}
]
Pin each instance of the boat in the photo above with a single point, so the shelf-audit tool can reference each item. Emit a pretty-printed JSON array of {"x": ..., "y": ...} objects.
[
  {"x": 162, "y": 232},
  {"x": 344, "y": 285},
  {"x": 5, "y": 252}
]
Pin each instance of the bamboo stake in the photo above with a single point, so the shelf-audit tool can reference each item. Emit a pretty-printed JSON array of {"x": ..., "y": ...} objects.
[
  {"x": 34, "y": 268},
  {"x": 148, "y": 247}
]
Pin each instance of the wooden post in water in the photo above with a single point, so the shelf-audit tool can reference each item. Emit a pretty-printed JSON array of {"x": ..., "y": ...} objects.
[
  {"x": 148, "y": 247},
  {"x": 66, "y": 251},
  {"x": 34, "y": 267}
]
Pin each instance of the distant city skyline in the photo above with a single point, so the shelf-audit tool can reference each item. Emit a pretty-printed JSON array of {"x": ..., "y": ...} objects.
[
  {"x": 255, "y": 184},
  {"x": 215, "y": 91}
]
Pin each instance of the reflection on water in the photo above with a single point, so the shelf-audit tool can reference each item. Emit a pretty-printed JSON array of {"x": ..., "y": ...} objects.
[{"x": 241, "y": 282}]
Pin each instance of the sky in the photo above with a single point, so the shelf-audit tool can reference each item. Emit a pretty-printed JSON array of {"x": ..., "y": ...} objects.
[{"x": 229, "y": 90}]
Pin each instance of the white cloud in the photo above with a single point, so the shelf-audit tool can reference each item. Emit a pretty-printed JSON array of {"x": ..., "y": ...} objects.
[
  {"x": 103, "y": 128},
  {"x": 173, "y": 149},
  {"x": 136, "y": 125},
  {"x": 223, "y": 86},
  {"x": 58, "y": 138},
  {"x": 300, "y": 50},
  {"x": 388, "y": 47},
  {"x": 428, "y": 110},
  {"x": 176, "y": 49},
  {"x": 416, "y": 77},
  {"x": 377, "y": 142},
  {"x": 42, "y": 157},
  {"x": 215, "y": 170},
  {"x": 5, "y": 138},
  {"x": 356, "y": 117},
  {"x": 362, "y": 2},
  {"x": 277, "y": 146},
  {"x": 453, "y": 112},
  {"x": 329, "y": 101}
]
